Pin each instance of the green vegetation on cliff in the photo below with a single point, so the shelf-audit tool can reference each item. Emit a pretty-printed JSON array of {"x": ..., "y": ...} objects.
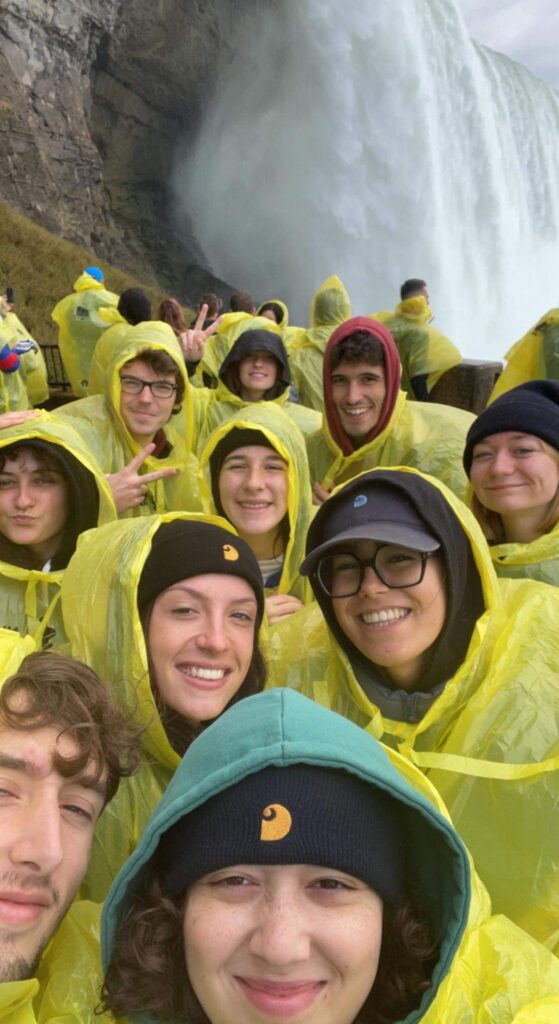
[{"x": 42, "y": 267}]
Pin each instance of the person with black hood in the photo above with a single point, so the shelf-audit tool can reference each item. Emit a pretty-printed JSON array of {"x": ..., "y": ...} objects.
[
  {"x": 256, "y": 370},
  {"x": 453, "y": 667}
]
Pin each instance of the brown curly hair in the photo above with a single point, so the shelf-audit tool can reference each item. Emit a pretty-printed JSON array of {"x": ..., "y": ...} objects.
[
  {"x": 149, "y": 950},
  {"x": 63, "y": 692}
]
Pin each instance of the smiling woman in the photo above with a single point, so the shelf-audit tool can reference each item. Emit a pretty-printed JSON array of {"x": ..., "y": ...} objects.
[
  {"x": 178, "y": 603},
  {"x": 305, "y": 878},
  {"x": 512, "y": 460}
]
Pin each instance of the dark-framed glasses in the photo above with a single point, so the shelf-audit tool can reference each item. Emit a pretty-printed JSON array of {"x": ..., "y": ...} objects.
[
  {"x": 341, "y": 574},
  {"x": 135, "y": 386}
]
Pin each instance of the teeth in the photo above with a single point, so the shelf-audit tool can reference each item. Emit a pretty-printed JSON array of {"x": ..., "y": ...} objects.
[
  {"x": 203, "y": 673},
  {"x": 386, "y": 615},
  {"x": 254, "y": 504},
  {"x": 357, "y": 412}
]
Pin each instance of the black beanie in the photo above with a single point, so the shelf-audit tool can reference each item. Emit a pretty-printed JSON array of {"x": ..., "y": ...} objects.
[
  {"x": 236, "y": 438},
  {"x": 532, "y": 408},
  {"x": 134, "y": 306},
  {"x": 184, "y": 548},
  {"x": 299, "y": 814}
]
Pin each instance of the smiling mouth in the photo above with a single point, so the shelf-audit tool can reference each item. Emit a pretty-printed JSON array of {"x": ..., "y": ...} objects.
[
  {"x": 254, "y": 506},
  {"x": 210, "y": 675},
  {"x": 361, "y": 411},
  {"x": 385, "y": 616},
  {"x": 282, "y": 999}
]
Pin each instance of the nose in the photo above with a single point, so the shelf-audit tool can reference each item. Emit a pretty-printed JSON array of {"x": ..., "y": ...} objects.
[
  {"x": 254, "y": 480},
  {"x": 39, "y": 846},
  {"x": 371, "y": 582},
  {"x": 24, "y": 495},
  {"x": 213, "y": 635},
  {"x": 281, "y": 934},
  {"x": 354, "y": 392},
  {"x": 142, "y": 394},
  {"x": 502, "y": 462}
]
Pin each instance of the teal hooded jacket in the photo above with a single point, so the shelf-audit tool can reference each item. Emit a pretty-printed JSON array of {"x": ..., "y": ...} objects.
[{"x": 475, "y": 980}]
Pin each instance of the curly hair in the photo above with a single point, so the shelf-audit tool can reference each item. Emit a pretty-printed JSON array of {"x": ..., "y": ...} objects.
[
  {"x": 63, "y": 692},
  {"x": 149, "y": 950},
  {"x": 359, "y": 347}
]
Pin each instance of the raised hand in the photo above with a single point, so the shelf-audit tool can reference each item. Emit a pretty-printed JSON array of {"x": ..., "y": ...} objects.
[
  {"x": 193, "y": 340},
  {"x": 129, "y": 486},
  {"x": 319, "y": 494},
  {"x": 279, "y": 606}
]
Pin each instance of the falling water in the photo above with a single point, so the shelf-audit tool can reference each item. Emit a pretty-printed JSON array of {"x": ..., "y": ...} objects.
[{"x": 377, "y": 141}]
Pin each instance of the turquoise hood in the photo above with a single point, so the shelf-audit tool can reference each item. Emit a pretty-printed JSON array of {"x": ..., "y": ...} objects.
[{"x": 280, "y": 727}]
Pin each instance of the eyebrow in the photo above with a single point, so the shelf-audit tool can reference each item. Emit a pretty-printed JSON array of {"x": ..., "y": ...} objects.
[
  {"x": 204, "y": 597},
  {"x": 21, "y": 764}
]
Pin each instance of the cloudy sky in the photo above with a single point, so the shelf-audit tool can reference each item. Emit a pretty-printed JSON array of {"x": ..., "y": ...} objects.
[{"x": 527, "y": 30}]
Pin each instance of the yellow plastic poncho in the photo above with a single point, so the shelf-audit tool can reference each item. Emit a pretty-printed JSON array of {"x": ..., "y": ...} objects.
[
  {"x": 330, "y": 307},
  {"x": 430, "y": 437},
  {"x": 13, "y": 393},
  {"x": 533, "y": 357},
  {"x": 98, "y": 420},
  {"x": 537, "y": 560},
  {"x": 104, "y": 630},
  {"x": 30, "y": 598},
  {"x": 222, "y": 404},
  {"x": 422, "y": 349},
  {"x": 278, "y": 427},
  {"x": 80, "y": 326},
  {"x": 489, "y": 742},
  {"x": 218, "y": 345},
  {"x": 116, "y": 328},
  {"x": 32, "y": 363}
]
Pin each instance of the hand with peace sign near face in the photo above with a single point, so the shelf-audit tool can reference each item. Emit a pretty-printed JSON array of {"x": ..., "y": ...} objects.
[
  {"x": 193, "y": 340},
  {"x": 129, "y": 486}
]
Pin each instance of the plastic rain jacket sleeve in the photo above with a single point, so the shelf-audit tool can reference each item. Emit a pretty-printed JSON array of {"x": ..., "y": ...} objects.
[
  {"x": 29, "y": 598},
  {"x": 224, "y": 404},
  {"x": 278, "y": 427},
  {"x": 68, "y": 983},
  {"x": 489, "y": 742},
  {"x": 79, "y": 328},
  {"x": 13, "y": 393},
  {"x": 104, "y": 630},
  {"x": 422, "y": 349},
  {"x": 330, "y": 307},
  {"x": 98, "y": 420},
  {"x": 526, "y": 360},
  {"x": 32, "y": 363},
  {"x": 476, "y": 978},
  {"x": 218, "y": 345},
  {"x": 426, "y": 436}
]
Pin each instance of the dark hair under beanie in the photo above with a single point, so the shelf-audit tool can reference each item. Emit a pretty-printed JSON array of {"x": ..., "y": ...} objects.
[
  {"x": 301, "y": 814},
  {"x": 134, "y": 306},
  {"x": 184, "y": 548},
  {"x": 532, "y": 408}
]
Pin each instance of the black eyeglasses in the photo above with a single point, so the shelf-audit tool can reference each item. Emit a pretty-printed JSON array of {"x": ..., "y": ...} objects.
[
  {"x": 341, "y": 574},
  {"x": 158, "y": 388}
]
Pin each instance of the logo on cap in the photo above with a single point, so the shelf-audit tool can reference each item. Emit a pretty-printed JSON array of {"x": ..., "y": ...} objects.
[
  {"x": 276, "y": 823},
  {"x": 230, "y": 553},
  {"x": 360, "y": 500}
]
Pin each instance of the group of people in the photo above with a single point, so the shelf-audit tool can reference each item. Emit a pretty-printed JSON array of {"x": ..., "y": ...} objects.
[{"x": 279, "y": 688}]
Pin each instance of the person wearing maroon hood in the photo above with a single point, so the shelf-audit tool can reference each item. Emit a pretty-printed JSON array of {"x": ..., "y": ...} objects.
[{"x": 367, "y": 421}]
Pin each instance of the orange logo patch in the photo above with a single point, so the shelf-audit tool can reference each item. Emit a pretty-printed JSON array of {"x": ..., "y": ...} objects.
[
  {"x": 276, "y": 823},
  {"x": 230, "y": 553}
]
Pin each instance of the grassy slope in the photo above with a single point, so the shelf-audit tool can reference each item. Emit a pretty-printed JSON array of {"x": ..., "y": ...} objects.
[{"x": 42, "y": 267}]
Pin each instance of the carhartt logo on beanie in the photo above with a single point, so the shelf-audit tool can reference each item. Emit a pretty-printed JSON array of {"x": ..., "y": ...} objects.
[{"x": 298, "y": 814}]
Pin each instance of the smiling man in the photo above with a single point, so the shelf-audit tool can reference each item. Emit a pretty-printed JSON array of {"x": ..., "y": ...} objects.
[
  {"x": 369, "y": 422},
  {"x": 144, "y": 427},
  {"x": 64, "y": 746}
]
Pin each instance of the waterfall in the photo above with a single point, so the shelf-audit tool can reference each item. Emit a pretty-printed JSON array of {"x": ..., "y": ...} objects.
[{"x": 377, "y": 141}]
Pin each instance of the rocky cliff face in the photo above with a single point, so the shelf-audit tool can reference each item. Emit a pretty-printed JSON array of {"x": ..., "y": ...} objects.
[{"x": 94, "y": 98}]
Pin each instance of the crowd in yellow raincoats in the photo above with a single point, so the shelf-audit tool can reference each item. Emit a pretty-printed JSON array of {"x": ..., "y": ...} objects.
[{"x": 456, "y": 756}]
